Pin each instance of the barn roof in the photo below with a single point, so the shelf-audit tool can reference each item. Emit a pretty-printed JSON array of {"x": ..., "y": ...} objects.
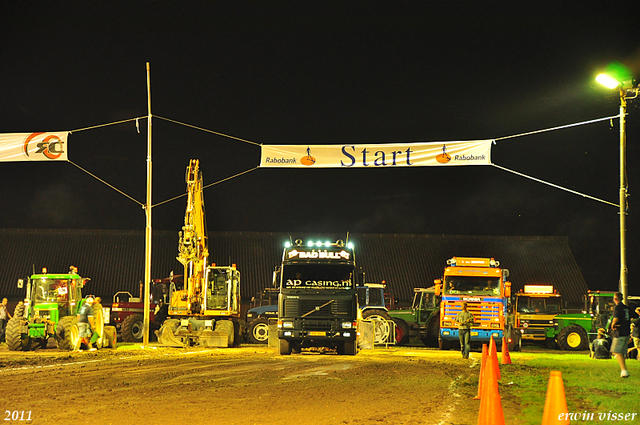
[{"x": 114, "y": 260}]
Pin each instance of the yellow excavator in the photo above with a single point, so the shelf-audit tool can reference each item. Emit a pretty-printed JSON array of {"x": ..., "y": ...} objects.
[{"x": 206, "y": 311}]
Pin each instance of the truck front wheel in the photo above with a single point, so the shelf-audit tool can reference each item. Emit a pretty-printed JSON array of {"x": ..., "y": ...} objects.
[
  {"x": 259, "y": 331},
  {"x": 285, "y": 347},
  {"x": 573, "y": 338}
]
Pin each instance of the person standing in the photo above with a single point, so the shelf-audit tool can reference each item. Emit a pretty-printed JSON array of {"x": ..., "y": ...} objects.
[
  {"x": 86, "y": 323},
  {"x": 621, "y": 329},
  {"x": 4, "y": 318},
  {"x": 635, "y": 334},
  {"x": 465, "y": 320}
]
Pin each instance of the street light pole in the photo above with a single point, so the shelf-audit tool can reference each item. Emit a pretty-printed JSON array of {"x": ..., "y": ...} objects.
[
  {"x": 623, "y": 195},
  {"x": 612, "y": 82}
]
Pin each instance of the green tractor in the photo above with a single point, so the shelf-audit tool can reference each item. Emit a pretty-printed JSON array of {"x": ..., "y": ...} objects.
[
  {"x": 49, "y": 312},
  {"x": 422, "y": 320},
  {"x": 574, "y": 332}
]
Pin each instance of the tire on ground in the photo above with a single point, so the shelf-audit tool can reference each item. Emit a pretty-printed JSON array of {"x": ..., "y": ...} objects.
[
  {"x": 258, "y": 332},
  {"x": 13, "y": 336},
  {"x": 109, "y": 337},
  {"x": 402, "y": 332},
  {"x": 226, "y": 326},
  {"x": 19, "y": 310},
  {"x": 433, "y": 331},
  {"x": 348, "y": 348},
  {"x": 285, "y": 347},
  {"x": 444, "y": 344},
  {"x": 573, "y": 338},
  {"x": 551, "y": 343},
  {"x": 67, "y": 333},
  {"x": 132, "y": 328},
  {"x": 381, "y": 326}
]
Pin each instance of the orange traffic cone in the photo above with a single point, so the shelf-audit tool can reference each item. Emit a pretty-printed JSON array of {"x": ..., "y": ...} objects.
[
  {"x": 556, "y": 403},
  {"x": 493, "y": 357},
  {"x": 491, "y": 406},
  {"x": 483, "y": 368},
  {"x": 506, "y": 357}
]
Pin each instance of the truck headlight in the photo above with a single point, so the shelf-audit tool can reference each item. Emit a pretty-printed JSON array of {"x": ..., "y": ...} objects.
[
  {"x": 347, "y": 325},
  {"x": 287, "y": 333},
  {"x": 495, "y": 325},
  {"x": 287, "y": 324},
  {"x": 346, "y": 334}
]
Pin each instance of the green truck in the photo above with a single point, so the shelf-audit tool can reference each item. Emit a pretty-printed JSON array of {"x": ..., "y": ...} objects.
[
  {"x": 421, "y": 321},
  {"x": 49, "y": 311}
]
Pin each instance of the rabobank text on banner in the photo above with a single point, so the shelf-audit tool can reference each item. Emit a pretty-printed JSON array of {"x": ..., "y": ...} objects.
[
  {"x": 476, "y": 152},
  {"x": 34, "y": 146}
]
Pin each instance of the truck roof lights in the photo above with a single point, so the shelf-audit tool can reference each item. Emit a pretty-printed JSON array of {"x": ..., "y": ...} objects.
[
  {"x": 472, "y": 262},
  {"x": 538, "y": 289},
  {"x": 326, "y": 244}
]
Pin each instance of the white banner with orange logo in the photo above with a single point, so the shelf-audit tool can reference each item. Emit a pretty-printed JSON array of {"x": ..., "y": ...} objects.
[
  {"x": 476, "y": 152},
  {"x": 33, "y": 146}
]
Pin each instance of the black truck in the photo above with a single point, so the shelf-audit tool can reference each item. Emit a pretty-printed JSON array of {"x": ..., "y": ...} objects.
[{"x": 317, "y": 304}]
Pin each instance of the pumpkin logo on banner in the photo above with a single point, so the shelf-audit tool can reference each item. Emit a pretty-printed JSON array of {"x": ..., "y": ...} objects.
[
  {"x": 51, "y": 146},
  {"x": 308, "y": 160}
]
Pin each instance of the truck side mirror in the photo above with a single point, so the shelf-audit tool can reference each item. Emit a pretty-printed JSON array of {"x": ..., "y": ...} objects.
[
  {"x": 438, "y": 283},
  {"x": 507, "y": 289},
  {"x": 20, "y": 283}
]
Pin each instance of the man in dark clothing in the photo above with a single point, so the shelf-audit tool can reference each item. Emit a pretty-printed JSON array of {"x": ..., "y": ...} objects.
[
  {"x": 621, "y": 329},
  {"x": 600, "y": 346},
  {"x": 85, "y": 322}
]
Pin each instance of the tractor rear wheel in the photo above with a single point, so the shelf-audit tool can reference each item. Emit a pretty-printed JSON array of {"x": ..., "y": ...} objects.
[
  {"x": 433, "y": 332},
  {"x": 67, "y": 333},
  {"x": 402, "y": 332},
  {"x": 16, "y": 341},
  {"x": 19, "y": 310},
  {"x": 381, "y": 328},
  {"x": 573, "y": 338},
  {"x": 132, "y": 328}
]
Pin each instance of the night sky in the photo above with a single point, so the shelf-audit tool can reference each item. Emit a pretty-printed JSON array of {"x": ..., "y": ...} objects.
[{"x": 325, "y": 72}]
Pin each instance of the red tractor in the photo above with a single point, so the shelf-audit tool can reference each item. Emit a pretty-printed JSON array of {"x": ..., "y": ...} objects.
[{"x": 127, "y": 312}]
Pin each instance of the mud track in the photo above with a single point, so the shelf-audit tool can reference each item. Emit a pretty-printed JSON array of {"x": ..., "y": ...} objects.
[{"x": 248, "y": 385}]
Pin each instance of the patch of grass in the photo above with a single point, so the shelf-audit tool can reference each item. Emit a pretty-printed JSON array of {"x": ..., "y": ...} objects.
[{"x": 591, "y": 386}]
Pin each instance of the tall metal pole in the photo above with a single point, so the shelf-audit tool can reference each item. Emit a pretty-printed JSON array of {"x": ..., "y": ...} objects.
[
  {"x": 147, "y": 244},
  {"x": 623, "y": 195}
]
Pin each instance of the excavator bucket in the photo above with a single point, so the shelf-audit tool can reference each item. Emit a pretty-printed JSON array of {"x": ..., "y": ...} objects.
[{"x": 166, "y": 337}]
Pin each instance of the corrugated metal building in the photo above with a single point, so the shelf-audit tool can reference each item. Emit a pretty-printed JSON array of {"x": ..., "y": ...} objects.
[{"x": 114, "y": 260}]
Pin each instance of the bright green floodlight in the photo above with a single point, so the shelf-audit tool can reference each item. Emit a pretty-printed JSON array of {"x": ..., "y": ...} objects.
[{"x": 607, "y": 81}]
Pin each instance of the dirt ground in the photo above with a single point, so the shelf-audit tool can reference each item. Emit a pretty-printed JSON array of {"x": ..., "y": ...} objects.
[{"x": 247, "y": 385}]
